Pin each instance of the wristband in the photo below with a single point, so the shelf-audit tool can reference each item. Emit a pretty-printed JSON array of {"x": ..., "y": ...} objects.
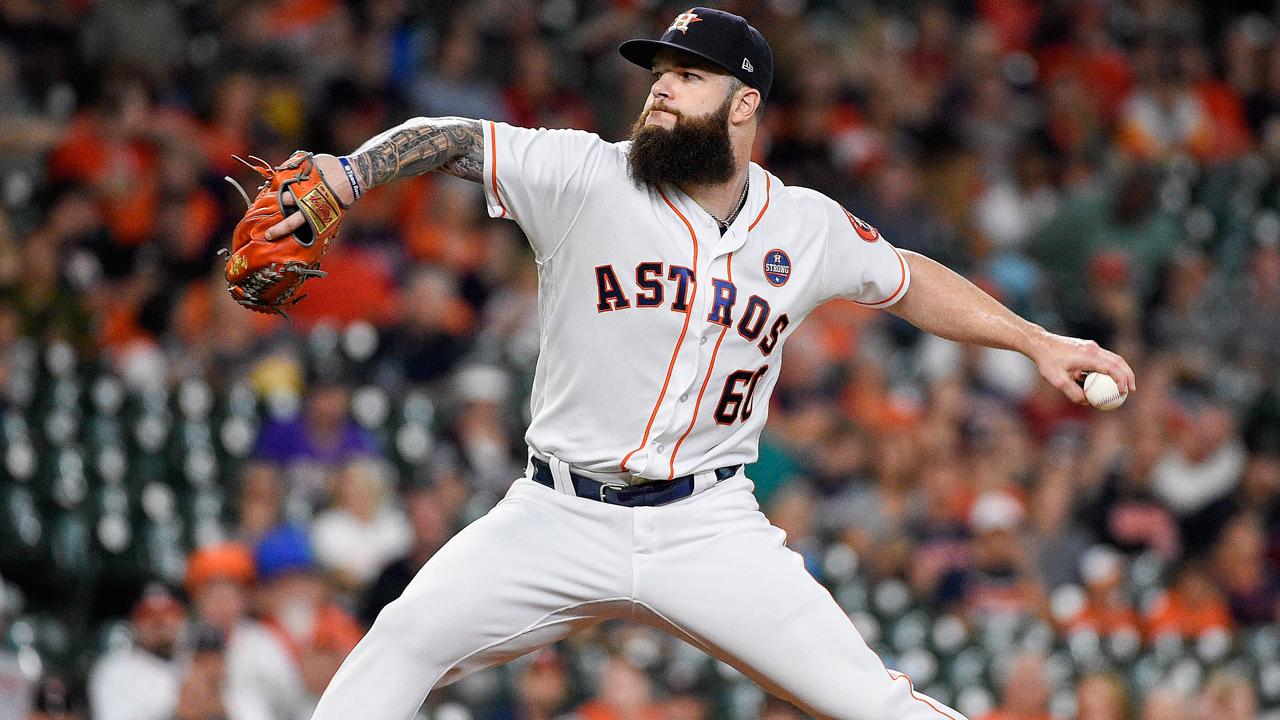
[{"x": 351, "y": 176}]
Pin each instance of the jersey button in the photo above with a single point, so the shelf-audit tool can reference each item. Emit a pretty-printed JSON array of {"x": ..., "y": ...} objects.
[
  {"x": 703, "y": 341},
  {"x": 660, "y": 448},
  {"x": 684, "y": 397}
]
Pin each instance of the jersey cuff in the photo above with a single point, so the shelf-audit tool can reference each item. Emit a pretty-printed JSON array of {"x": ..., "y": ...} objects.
[
  {"x": 899, "y": 291},
  {"x": 492, "y": 187}
]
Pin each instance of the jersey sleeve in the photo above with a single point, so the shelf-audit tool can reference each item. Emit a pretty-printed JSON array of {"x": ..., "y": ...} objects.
[
  {"x": 539, "y": 178},
  {"x": 859, "y": 264}
]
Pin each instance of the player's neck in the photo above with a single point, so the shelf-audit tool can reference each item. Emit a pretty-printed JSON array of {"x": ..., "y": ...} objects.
[{"x": 721, "y": 199}]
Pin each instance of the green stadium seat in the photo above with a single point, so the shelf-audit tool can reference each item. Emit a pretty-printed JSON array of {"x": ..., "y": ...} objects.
[
  {"x": 237, "y": 436},
  {"x": 890, "y": 599},
  {"x": 975, "y": 700},
  {"x": 968, "y": 668},
  {"x": 74, "y": 563},
  {"x": 852, "y": 595},
  {"x": 23, "y": 531},
  {"x": 910, "y": 632}
]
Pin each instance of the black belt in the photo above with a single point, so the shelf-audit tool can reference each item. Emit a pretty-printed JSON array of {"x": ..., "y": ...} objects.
[{"x": 659, "y": 492}]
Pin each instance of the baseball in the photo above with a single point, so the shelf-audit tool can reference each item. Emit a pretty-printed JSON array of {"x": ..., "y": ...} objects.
[{"x": 1102, "y": 392}]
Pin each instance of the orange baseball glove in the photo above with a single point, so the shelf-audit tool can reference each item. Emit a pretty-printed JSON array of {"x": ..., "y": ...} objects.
[{"x": 266, "y": 275}]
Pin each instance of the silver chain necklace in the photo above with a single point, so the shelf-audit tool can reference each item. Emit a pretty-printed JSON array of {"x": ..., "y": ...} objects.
[{"x": 742, "y": 201}]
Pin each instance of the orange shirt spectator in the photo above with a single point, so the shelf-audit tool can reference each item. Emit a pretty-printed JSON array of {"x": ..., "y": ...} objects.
[
  {"x": 1106, "y": 611},
  {"x": 624, "y": 693},
  {"x": 1024, "y": 692},
  {"x": 1104, "y": 619},
  {"x": 299, "y": 17},
  {"x": 364, "y": 289},
  {"x": 1191, "y": 607}
]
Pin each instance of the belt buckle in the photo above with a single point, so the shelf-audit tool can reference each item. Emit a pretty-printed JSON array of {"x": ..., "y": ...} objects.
[{"x": 605, "y": 486}]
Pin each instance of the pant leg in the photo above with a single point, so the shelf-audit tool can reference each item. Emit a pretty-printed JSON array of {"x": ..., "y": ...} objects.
[
  {"x": 722, "y": 576},
  {"x": 535, "y": 568}
]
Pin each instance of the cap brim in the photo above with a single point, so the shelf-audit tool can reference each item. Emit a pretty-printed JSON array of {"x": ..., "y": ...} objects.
[{"x": 642, "y": 52}]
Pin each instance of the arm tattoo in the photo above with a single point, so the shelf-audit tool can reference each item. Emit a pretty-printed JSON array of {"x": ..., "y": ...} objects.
[{"x": 453, "y": 145}]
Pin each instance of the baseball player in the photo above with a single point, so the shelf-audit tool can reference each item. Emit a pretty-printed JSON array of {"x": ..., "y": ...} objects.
[{"x": 672, "y": 270}]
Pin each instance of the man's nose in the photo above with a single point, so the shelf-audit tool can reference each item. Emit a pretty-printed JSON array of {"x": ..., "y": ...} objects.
[{"x": 661, "y": 88}]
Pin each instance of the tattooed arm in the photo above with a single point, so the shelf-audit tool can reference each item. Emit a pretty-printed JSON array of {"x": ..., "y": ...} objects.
[
  {"x": 453, "y": 145},
  {"x": 449, "y": 144}
]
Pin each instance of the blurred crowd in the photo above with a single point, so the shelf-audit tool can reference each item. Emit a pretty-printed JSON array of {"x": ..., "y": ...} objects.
[{"x": 207, "y": 506}]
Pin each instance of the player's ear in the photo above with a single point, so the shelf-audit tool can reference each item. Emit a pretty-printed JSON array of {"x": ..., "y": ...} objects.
[{"x": 746, "y": 105}]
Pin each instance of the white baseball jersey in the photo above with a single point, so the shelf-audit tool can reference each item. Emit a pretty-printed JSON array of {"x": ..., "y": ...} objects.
[{"x": 661, "y": 339}]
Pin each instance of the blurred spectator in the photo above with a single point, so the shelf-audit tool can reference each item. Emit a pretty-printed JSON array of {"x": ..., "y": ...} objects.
[
  {"x": 1246, "y": 574},
  {"x": 1125, "y": 510},
  {"x": 1190, "y": 319},
  {"x": 138, "y": 33},
  {"x": 1001, "y": 585},
  {"x": 56, "y": 699},
  {"x": 1255, "y": 303},
  {"x": 873, "y": 518},
  {"x": 1165, "y": 117},
  {"x": 1222, "y": 103},
  {"x": 1192, "y": 606},
  {"x": 537, "y": 98},
  {"x": 449, "y": 233},
  {"x": 433, "y": 335},
  {"x": 109, "y": 148},
  {"x": 1013, "y": 207},
  {"x": 363, "y": 530},
  {"x": 1164, "y": 702},
  {"x": 1081, "y": 46},
  {"x": 1056, "y": 537},
  {"x": 817, "y": 129},
  {"x": 151, "y": 667},
  {"x": 792, "y": 510},
  {"x": 895, "y": 205},
  {"x": 48, "y": 306},
  {"x": 297, "y": 606},
  {"x": 306, "y": 446},
  {"x": 1125, "y": 218},
  {"x": 25, "y": 132},
  {"x": 1101, "y": 696},
  {"x": 430, "y": 522},
  {"x": 1227, "y": 696},
  {"x": 364, "y": 290},
  {"x": 261, "y": 501},
  {"x": 687, "y": 706},
  {"x": 1199, "y": 469},
  {"x": 208, "y": 333},
  {"x": 1024, "y": 690},
  {"x": 452, "y": 85},
  {"x": 541, "y": 689},
  {"x": 1106, "y": 610},
  {"x": 483, "y": 429},
  {"x": 1259, "y": 494},
  {"x": 624, "y": 692},
  {"x": 261, "y": 681},
  {"x": 203, "y": 687},
  {"x": 941, "y": 536}
]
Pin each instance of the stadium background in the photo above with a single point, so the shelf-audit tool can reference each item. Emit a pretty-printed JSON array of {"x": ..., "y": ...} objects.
[{"x": 197, "y": 503}]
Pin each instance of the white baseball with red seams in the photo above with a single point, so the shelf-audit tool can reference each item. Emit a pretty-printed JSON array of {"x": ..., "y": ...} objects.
[
  {"x": 661, "y": 342},
  {"x": 1102, "y": 392}
]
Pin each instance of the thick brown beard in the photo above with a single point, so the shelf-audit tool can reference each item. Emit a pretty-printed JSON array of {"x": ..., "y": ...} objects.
[{"x": 697, "y": 151}]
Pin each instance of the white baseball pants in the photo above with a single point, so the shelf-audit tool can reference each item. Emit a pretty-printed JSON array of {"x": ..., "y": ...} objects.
[{"x": 709, "y": 569}]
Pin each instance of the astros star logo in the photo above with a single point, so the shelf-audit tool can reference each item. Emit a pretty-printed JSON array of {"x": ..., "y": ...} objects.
[
  {"x": 862, "y": 227},
  {"x": 683, "y": 20}
]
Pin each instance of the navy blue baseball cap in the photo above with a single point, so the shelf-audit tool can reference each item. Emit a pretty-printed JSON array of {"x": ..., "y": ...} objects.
[{"x": 723, "y": 39}]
